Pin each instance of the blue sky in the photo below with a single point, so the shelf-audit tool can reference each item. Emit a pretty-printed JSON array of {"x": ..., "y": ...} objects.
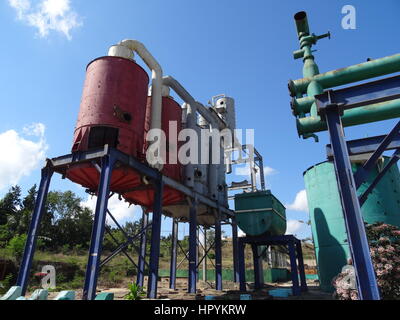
[{"x": 243, "y": 49}]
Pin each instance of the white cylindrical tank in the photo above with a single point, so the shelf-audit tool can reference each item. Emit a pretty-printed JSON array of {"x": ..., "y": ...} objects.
[{"x": 225, "y": 107}]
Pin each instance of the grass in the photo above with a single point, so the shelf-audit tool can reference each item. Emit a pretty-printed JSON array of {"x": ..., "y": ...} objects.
[{"x": 120, "y": 271}]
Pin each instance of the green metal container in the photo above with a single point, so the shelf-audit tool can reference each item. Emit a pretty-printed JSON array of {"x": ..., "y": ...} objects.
[
  {"x": 327, "y": 222},
  {"x": 260, "y": 213}
]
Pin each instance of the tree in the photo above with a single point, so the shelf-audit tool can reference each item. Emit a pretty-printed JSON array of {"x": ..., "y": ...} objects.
[
  {"x": 16, "y": 247},
  {"x": 66, "y": 221},
  {"x": 25, "y": 214},
  {"x": 10, "y": 205}
]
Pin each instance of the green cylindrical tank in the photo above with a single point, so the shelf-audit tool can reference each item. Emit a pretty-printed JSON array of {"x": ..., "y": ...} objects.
[
  {"x": 327, "y": 221},
  {"x": 260, "y": 213}
]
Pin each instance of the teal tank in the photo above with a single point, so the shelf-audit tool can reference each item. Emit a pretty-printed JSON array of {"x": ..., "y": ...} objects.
[
  {"x": 327, "y": 221},
  {"x": 260, "y": 213}
]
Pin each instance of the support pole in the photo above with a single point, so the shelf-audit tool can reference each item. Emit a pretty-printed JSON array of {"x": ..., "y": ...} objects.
[
  {"x": 174, "y": 254},
  {"x": 192, "y": 280},
  {"x": 393, "y": 160},
  {"x": 218, "y": 252},
  {"x": 30, "y": 245},
  {"x": 242, "y": 265},
  {"x": 359, "y": 248},
  {"x": 155, "y": 240},
  {"x": 302, "y": 272},
  {"x": 235, "y": 251},
  {"x": 258, "y": 268},
  {"x": 142, "y": 249},
  {"x": 362, "y": 173},
  {"x": 92, "y": 269},
  {"x": 204, "y": 254},
  {"x": 293, "y": 269}
]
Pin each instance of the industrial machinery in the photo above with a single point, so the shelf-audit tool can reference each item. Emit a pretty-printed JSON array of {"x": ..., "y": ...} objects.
[
  {"x": 328, "y": 227},
  {"x": 128, "y": 141},
  {"x": 260, "y": 213},
  {"x": 262, "y": 217},
  {"x": 357, "y": 184}
]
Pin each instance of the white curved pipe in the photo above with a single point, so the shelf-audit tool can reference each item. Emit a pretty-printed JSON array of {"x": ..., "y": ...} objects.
[{"x": 156, "y": 78}]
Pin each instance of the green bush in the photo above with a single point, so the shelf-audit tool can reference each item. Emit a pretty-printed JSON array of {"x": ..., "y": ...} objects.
[
  {"x": 135, "y": 292},
  {"x": 6, "y": 284},
  {"x": 65, "y": 249},
  {"x": 16, "y": 246}
]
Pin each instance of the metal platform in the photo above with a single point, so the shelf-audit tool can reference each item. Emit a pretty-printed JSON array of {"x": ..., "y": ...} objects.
[
  {"x": 295, "y": 254},
  {"x": 105, "y": 160}
]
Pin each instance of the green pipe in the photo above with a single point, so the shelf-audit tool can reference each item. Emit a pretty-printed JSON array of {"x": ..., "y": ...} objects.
[
  {"x": 367, "y": 114},
  {"x": 301, "y": 23},
  {"x": 302, "y": 105},
  {"x": 359, "y": 72}
]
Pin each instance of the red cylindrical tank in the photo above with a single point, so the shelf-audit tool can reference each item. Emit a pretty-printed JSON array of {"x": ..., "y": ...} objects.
[
  {"x": 113, "y": 106},
  {"x": 171, "y": 112},
  {"x": 112, "y": 111}
]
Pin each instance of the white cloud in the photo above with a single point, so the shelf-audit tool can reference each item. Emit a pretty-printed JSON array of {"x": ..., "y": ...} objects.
[
  {"x": 119, "y": 209},
  {"x": 300, "y": 203},
  {"x": 245, "y": 171},
  {"x": 47, "y": 15},
  {"x": 21, "y": 156},
  {"x": 294, "y": 227}
]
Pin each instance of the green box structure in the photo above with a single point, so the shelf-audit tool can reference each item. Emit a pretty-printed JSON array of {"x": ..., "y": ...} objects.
[
  {"x": 260, "y": 213},
  {"x": 327, "y": 221}
]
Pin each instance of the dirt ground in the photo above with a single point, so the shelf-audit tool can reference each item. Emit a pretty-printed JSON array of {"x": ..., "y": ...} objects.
[{"x": 230, "y": 292}]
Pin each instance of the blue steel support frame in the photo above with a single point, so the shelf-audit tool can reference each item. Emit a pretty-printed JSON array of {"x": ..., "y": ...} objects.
[
  {"x": 365, "y": 274},
  {"x": 92, "y": 268},
  {"x": 142, "y": 250},
  {"x": 30, "y": 245},
  {"x": 300, "y": 260},
  {"x": 393, "y": 160},
  {"x": 294, "y": 272},
  {"x": 242, "y": 265},
  {"x": 235, "y": 250},
  {"x": 362, "y": 173},
  {"x": 108, "y": 157},
  {"x": 375, "y": 145},
  {"x": 174, "y": 254},
  {"x": 121, "y": 248},
  {"x": 366, "y": 145},
  {"x": 295, "y": 253},
  {"x": 155, "y": 239},
  {"x": 258, "y": 267},
  {"x": 192, "y": 276},
  {"x": 218, "y": 252}
]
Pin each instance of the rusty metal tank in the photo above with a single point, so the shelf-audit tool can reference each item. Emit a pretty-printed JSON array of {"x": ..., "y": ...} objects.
[
  {"x": 171, "y": 112},
  {"x": 112, "y": 111}
]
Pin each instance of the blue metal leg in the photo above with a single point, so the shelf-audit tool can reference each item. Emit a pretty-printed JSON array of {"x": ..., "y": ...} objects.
[
  {"x": 142, "y": 250},
  {"x": 218, "y": 253},
  {"x": 174, "y": 254},
  {"x": 30, "y": 245},
  {"x": 192, "y": 281},
  {"x": 242, "y": 265},
  {"x": 362, "y": 173},
  {"x": 155, "y": 241},
  {"x": 393, "y": 160},
  {"x": 258, "y": 268},
  {"x": 293, "y": 268},
  {"x": 366, "y": 280},
  {"x": 235, "y": 250},
  {"x": 92, "y": 269},
  {"x": 302, "y": 272}
]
